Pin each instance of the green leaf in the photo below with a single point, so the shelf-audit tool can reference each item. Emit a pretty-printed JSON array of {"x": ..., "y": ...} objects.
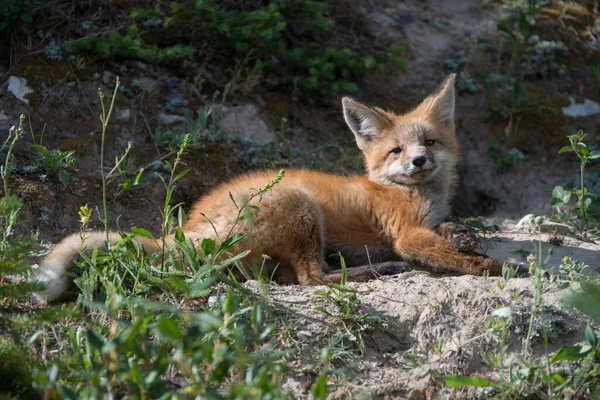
[
  {"x": 257, "y": 317},
  {"x": 565, "y": 149},
  {"x": 518, "y": 93},
  {"x": 344, "y": 280},
  {"x": 34, "y": 337},
  {"x": 179, "y": 236},
  {"x": 229, "y": 305},
  {"x": 523, "y": 373},
  {"x": 571, "y": 353},
  {"x": 319, "y": 389},
  {"x": 558, "y": 378},
  {"x": 590, "y": 335},
  {"x": 230, "y": 242},
  {"x": 455, "y": 381},
  {"x": 181, "y": 216},
  {"x": 207, "y": 320},
  {"x": 208, "y": 247},
  {"x": 138, "y": 176},
  {"x": 560, "y": 196},
  {"x": 63, "y": 176},
  {"x": 593, "y": 155},
  {"x": 179, "y": 284},
  {"x": 535, "y": 101},
  {"x": 180, "y": 175},
  {"x": 94, "y": 341},
  {"x": 323, "y": 310},
  {"x": 41, "y": 149},
  {"x": 169, "y": 328},
  {"x": 233, "y": 200},
  {"x": 142, "y": 232}
]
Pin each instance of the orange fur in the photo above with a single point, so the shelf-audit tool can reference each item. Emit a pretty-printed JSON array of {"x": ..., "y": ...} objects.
[{"x": 387, "y": 215}]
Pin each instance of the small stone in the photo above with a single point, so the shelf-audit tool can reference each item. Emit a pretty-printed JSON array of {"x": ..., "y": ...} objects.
[
  {"x": 215, "y": 299},
  {"x": 403, "y": 18},
  {"x": 123, "y": 115},
  {"x": 245, "y": 121},
  {"x": 415, "y": 395},
  {"x": 304, "y": 336},
  {"x": 169, "y": 119},
  {"x": 3, "y": 117},
  {"x": 18, "y": 87},
  {"x": 146, "y": 84},
  {"x": 555, "y": 227},
  {"x": 527, "y": 223},
  {"x": 585, "y": 109}
]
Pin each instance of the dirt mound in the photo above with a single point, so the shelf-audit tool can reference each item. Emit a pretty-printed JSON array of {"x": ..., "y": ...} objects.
[{"x": 435, "y": 325}]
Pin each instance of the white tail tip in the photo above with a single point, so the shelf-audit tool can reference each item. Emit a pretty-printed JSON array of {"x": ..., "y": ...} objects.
[{"x": 53, "y": 275}]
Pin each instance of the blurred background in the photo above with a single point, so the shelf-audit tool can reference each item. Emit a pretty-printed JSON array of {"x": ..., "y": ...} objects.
[{"x": 258, "y": 84}]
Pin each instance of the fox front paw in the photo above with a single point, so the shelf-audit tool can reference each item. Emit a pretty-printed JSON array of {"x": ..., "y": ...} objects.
[{"x": 461, "y": 237}]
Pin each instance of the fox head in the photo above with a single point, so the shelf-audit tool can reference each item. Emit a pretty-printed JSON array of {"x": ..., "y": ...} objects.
[{"x": 409, "y": 149}]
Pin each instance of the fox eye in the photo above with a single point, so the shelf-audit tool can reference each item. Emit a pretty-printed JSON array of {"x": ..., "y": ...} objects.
[
  {"x": 429, "y": 142},
  {"x": 396, "y": 150}
]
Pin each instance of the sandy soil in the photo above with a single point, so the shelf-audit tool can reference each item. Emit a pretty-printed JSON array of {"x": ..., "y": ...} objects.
[{"x": 424, "y": 310}]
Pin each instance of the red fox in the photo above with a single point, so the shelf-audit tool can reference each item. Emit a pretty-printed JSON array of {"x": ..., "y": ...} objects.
[{"x": 389, "y": 215}]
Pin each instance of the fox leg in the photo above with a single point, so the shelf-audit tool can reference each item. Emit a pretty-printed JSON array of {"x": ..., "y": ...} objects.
[
  {"x": 429, "y": 249},
  {"x": 289, "y": 227}
]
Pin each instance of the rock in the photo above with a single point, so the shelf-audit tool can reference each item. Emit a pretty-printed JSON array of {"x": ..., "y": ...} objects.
[
  {"x": 18, "y": 87},
  {"x": 146, "y": 84},
  {"x": 215, "y": 299},
  {"x": 245, "y": 121},
  {"x": 585, "y": 109},
  {"x": 415, "y": 395},
  {"x": 3, "y": 117},
  {"x": 169, "y": 119},
  {"x": 403, "y": 18},
  {"x": 123, "y": 115},
  {"x": 304, "y": 336},
  {"x": 527, "y": 223}
]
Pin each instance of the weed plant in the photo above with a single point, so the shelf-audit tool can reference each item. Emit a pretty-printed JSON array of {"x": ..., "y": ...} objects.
[
  {"x": 352, "y": 324},
  {"x": 55, "y": 161},
  {"x": 347, "y": 310},
  {"x": 285, "y": 43},
  {"x": 14, "y": 249},
  {"x": 585, "y": 216}
]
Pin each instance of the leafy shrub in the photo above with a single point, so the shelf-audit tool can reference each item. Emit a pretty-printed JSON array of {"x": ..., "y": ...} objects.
[
  {"x": 288, "y": 41},
  {"x": 15, "y": 370},
  {"x": 585, "y": 216},
  {"x": 167, "y": 352},
  {"x": 129, "y": 45},
  {"x": 14, "y": 13},
  {"x": 14, "y": 249},
  {"x": 54, "y": 161}
]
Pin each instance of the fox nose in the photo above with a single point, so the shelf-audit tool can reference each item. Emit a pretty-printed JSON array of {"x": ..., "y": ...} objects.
[{"x": 419, "y": 161}]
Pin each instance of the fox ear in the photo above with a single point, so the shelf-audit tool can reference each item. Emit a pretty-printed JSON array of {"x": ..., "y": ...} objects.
[
  {"x": 440, "y": 105},
  {"x": 365, "y": 121}
]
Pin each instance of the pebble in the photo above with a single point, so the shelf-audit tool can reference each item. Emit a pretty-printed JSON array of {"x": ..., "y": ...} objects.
[{"x": 18, "y": 87}]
